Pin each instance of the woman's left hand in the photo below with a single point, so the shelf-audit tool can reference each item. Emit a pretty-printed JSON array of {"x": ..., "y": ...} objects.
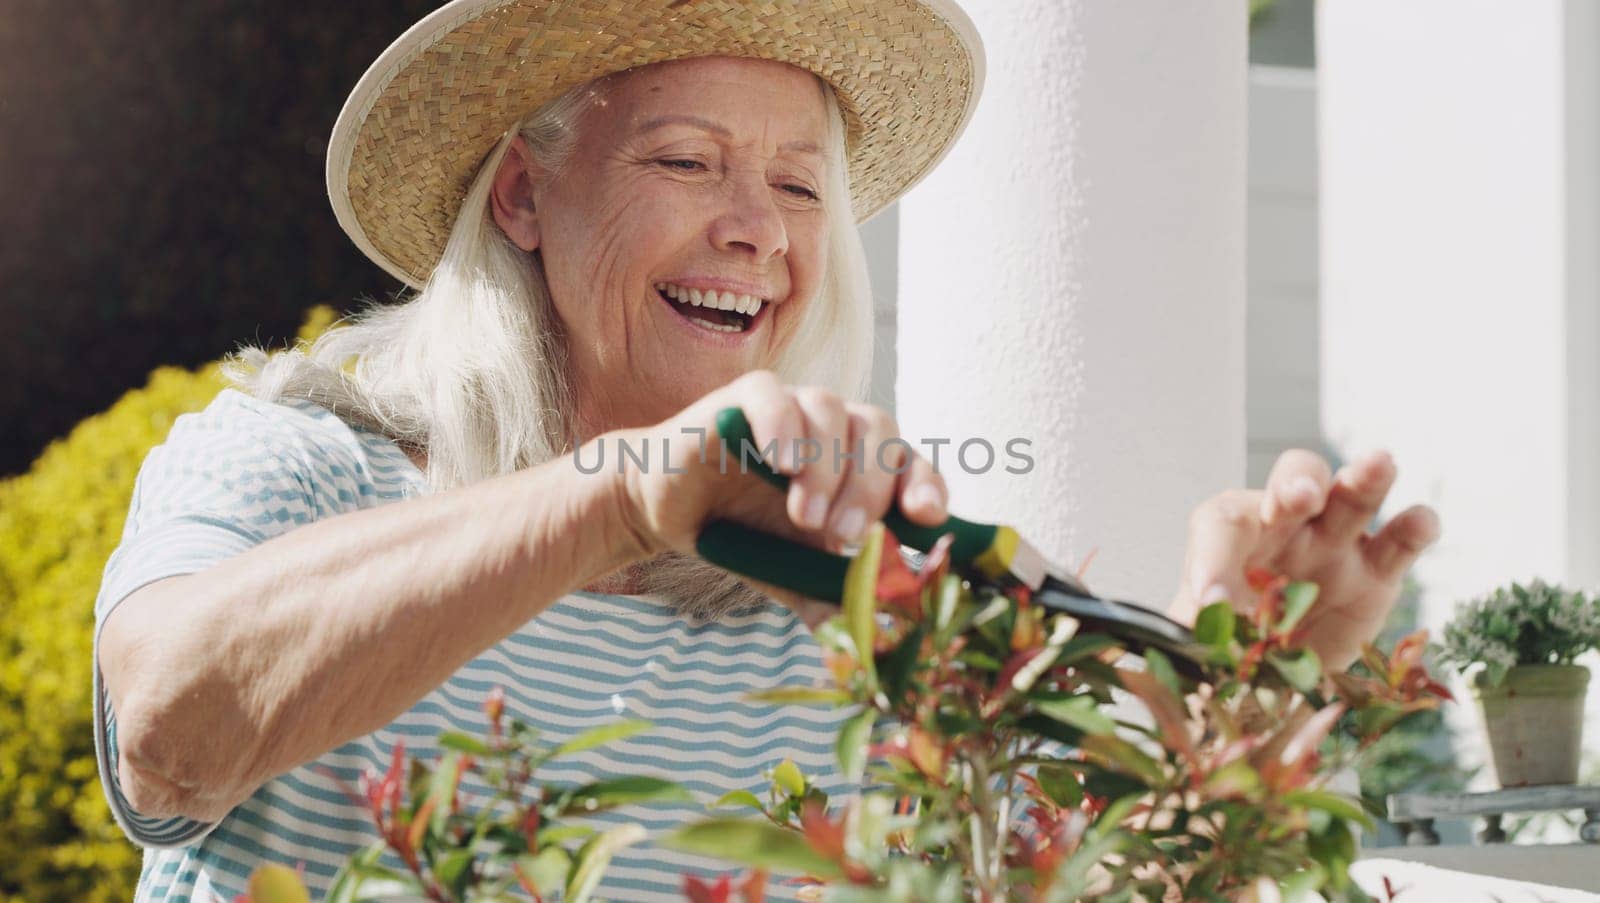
[{"x": 1309, "y": 524}]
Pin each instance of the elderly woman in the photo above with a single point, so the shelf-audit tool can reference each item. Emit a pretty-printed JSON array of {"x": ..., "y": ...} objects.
[{"x": 619, "y": 218}]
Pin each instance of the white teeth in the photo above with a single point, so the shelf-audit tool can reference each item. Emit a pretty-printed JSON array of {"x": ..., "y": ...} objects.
[{"x": 749, "y": 305}]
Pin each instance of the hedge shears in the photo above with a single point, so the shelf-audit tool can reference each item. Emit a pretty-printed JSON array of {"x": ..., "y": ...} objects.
[{"x": 992, "y": 554}]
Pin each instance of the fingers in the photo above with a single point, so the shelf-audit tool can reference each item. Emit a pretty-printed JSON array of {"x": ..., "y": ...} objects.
[
  {"x": 921, "y": 490},
  {"x": 1296, "y": 491},
  {"x": 1223, "y": 533},
  {"x": 1357, "y": 494},
  {"x": 1396, "y": 546},
  {"x": 812, "y": 491},
  {"x": 847, "y": 461},
  {"x": 773, "y": 416},
  {"x": 866, "y": 488}
]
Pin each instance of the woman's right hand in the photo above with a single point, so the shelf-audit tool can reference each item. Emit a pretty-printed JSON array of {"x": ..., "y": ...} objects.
[{"x": 830, "y": 502}]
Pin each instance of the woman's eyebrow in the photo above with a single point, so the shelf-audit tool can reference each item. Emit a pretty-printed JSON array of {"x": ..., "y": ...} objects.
[{"x": 718, "y": 129}]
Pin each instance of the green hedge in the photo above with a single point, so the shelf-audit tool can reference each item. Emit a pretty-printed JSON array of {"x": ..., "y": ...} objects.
[{"x": 59, "y": 523}]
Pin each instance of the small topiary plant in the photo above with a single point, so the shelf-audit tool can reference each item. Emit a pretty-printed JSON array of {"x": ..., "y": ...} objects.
[
  {"x": 59, "y": 522},
  {"x": 1537, "y": 624}
]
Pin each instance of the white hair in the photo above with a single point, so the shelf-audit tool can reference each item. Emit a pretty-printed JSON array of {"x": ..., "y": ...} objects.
[{"x": 472, "y": 368}]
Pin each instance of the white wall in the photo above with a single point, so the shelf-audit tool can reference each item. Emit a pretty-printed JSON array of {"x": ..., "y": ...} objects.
[
  {"x": 1074, "y": 273},
  {"x": 1460, "y": 305}
]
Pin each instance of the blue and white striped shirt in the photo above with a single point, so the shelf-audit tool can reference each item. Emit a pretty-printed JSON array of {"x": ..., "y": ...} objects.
[{"x": 243, "y": 471}]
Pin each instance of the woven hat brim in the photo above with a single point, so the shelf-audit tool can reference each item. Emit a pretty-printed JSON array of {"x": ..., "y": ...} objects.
[{"x": 419, "y": 123}]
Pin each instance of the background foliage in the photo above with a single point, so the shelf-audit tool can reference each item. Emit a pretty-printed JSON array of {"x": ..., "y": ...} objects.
[
  {"x": 162, "y": 176},
  {"x": 58, "y": 524}
]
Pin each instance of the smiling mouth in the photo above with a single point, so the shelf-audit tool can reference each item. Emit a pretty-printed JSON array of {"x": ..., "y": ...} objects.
[{"x": 716, "y": 312}]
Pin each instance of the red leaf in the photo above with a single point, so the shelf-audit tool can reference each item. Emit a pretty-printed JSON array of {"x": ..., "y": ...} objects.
[
  {"x": 700, "y": 892},
  {"x": 530, "y": 828},
  {"x": 1407, "y": 656},
  {"x": 824, "y": 835},
  {"x": 419, "y": 825},
  {"x": 495, "y": 706},
  {"x": 754, "y": 887},
  {"x": 1172, "y": 720}
]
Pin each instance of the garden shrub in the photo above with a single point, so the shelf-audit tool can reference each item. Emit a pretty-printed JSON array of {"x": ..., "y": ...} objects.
[{"x": 59, "y": 522}]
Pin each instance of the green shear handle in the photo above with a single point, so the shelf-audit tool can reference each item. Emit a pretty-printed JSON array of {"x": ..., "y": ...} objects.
[{"x": 813, "y": 572}]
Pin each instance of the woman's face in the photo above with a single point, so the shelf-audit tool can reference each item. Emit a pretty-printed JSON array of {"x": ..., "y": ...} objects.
[{"x": 692, "y": 177}]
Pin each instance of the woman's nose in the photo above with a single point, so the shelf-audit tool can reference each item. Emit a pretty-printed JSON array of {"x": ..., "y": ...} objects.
[{"x": 752, "y": 223}]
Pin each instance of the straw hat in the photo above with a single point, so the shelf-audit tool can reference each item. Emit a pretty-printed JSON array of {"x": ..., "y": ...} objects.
[{"x": 425, "y": 115}]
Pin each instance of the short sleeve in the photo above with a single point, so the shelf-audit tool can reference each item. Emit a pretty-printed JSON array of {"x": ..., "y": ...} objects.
[{"x": 226, "y": 479}]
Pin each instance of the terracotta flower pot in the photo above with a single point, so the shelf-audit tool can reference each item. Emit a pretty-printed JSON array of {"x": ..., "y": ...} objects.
[{"x": 1535, "y": 723}]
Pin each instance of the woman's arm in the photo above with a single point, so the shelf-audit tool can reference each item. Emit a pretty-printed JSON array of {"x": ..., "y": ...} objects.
[{"x": 226, "y": 678}]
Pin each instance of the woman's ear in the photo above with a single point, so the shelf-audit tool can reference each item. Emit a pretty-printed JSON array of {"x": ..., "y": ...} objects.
[{"x": 511, "y": 197}]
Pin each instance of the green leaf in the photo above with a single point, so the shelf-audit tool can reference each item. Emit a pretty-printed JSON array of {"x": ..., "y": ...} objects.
[
  {"x": 1300, "y": 668},
  {"x": 1160, "y": 667},
  {"x": 1302, "y": 886},
  {"x": 800, "y": 696},
  {"x": 946, "y": 599},
  {"x": 362, "y": 878},
  {"x": 1050, "y": 729},
  {"x": 1214, "y": 626},
  {"x": 757, "y": 844},
  {"x": 1297, "y": 600},
  {"x": 558, "y": 834},
  {"x": 590, "y": 863},
  {"x": 459, "y": 742},
  {"x": 1335, "y": 804},
  {"x": 1497, "y": 673},
  {"x": 546, "y": 871},
  {"x": 1115, "y": 814},
  {"x": 1117, "y": 753},
  {"x": 980, "y": 660},
  {"x": 895, "y": 669},
  {"x": 453, "y": 869},
  {"x": 1061, "y": 785},
  {"x": 624, "y": 791},
  {"x": 348, "y": 880},
  {"x": 277, "y": 883},
  {"x": 1081, "y": 712},
  {"x": 1084, "y": 645},
  {"x": 600, "y": 736},
  {"x": 442, "y": 788},
  {"x": 739, "y": 798},
  {"x": 852, "y": 743},
  {"x": 861, "y": 600},
  {"x": 788, "y": 777}
]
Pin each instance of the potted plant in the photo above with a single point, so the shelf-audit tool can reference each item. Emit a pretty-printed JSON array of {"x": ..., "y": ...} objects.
[{"x": 1521, "y": 642}]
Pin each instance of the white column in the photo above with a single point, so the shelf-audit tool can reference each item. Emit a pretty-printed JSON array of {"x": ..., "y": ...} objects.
[
  {"x": 1459, "y": 293},
  {"x": 1073, "y": 274}
]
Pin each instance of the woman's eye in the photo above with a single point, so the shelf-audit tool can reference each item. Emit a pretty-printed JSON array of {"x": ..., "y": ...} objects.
[
  {"x": 801, "y": 191},
  {"x": 683, "y": 165}
]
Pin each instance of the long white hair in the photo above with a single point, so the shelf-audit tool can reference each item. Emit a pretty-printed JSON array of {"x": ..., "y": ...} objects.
[{"x": 472, "y": 368}]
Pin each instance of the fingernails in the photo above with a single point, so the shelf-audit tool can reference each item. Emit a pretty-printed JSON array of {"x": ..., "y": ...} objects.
[
  {"x": 849, "y": 524},
  {"x": 924, "y": 496},
  {"x": 1303, "y": 489},
  {"x": 815, "y": 511}
]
